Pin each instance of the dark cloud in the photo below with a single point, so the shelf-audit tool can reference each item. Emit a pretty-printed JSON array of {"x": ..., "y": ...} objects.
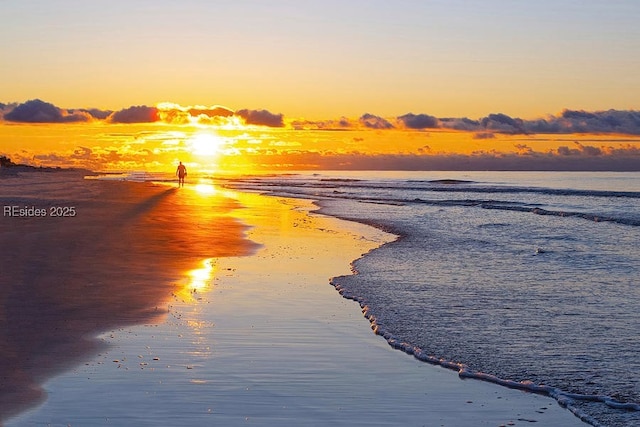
[
  {"x": 589, "y": 150},
  {"x": 581, "y": 150},
  {"x": 97, "y": 113},
  {"x": 419, "y": 121},
  {"x": 550, "y": 125},
  {"x": 625, "y": 159},
  {"x": 342, "y": 123},
  {"x": 502, "y": 123},
  {"x": 569, "y": 121},
  {"x": 497, "y": 122},
  {"x": 261, "y": 118},
  {"x": 611, "y": 121},
  {"x": 5, "y": 108},
  {"x": 374, "y": 122},
  {"x": 577, "y": 115},
  {"x": 38, "y": 111},
  {"x": 462, "y": 123},
  {"x": 484, "y": 135},
  {"x": 135, "y": 114}
]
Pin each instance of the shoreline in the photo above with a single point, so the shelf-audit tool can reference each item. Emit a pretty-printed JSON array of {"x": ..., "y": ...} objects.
[
  {"x": 565, "y": 399},
  {"x": 271, "y": 342}
]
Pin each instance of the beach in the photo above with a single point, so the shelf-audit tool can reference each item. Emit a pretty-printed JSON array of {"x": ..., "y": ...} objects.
[
  {"x": 158, "y": 306},
  {"x": 86, "y": 256}
]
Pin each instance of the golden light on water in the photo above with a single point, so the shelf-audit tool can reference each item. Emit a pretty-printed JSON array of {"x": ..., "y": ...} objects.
[
  {"x": 198, "y": 280},
  {"x": 205, "y": 189},
  {"x": 201, "y": 277}
]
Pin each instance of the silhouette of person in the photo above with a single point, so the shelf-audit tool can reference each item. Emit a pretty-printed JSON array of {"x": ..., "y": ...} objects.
[{"x": 181, "y": 172}]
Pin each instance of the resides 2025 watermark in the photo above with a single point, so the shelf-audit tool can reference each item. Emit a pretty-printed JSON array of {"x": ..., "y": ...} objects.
[{"x": 17, "y": 211}]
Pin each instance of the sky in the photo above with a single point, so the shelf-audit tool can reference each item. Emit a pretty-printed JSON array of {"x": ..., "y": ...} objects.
[
  {"x": 320, "y": 59},
  {"x": 420, "y": 66}
]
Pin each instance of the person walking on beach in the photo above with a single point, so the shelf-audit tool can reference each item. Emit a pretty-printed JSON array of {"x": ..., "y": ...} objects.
[{"x": 181, "y": 172}]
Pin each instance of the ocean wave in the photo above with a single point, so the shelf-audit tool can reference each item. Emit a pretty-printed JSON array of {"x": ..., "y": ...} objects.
[
  {"x": 436, "y": 186},
  {"x": 514, "y": 206},
  {"x": 564, "y": 398}
]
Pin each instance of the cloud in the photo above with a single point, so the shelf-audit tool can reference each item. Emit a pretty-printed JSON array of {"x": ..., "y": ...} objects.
[
  {"x": 524, "y": 150},
  {"x": 374, "y": 122},
  {"x": 216, "y": 115},
  {"x": 95, "y": 158},
  {"x": 135, "y": 114},
  {"x": 169, "y": 112},
  {"x": 261, "y": 118},
  {"x": 486, "y": 126},
  {"x": 568, "y": 121},
  {"x": 502, "y": 123},
  {"x": 82, "y": 153},
  {"x": 419, "y": 121},
  {"x": 97, "y": 113},
  {"x": 51, "y": 159},
  {"x": 581, "y": 150},
  {"x": 216, "y": 111},
  {"x": 611, "y": 121},
  {"x": 38, "y": 111},
  {"x": 589, "y": 150},
  {"x": 524, "y": 160},
  {"x": 484, "y": 135},
  {"x": 342, "y": 123},
  {"x": 6, "y": 108},
  {"x": 463, "y": 123}
]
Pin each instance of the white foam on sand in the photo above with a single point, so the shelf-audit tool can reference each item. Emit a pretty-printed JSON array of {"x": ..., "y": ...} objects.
[{"x": 265, "y": 340}]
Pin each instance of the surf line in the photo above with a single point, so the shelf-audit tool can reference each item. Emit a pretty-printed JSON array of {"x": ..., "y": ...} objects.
[{"x": 564, "y": 399}]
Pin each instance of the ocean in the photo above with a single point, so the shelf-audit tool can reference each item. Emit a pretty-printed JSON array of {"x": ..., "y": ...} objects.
[{"x": 526, "y": 279}]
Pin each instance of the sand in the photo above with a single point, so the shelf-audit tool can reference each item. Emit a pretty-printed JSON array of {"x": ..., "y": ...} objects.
[
  {"x": 258, "y": 339},
  {"x": 112, "y": 261}
]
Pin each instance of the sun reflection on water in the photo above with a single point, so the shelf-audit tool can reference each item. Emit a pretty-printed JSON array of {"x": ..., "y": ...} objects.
[
  {"x": 205, "y": 188},
  {"x": 201, "y": 277},
  {"x": 199, "y": 280}
]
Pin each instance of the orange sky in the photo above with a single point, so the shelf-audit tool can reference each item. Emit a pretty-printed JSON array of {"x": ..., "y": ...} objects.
[{"x": 229, "y": 145}]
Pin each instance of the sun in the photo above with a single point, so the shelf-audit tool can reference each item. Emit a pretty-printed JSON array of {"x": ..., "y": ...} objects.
[{"x": 205, "y": 144}]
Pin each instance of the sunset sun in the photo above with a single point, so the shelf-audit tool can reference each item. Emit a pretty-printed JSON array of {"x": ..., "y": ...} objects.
[{"x": 205, "y": 144}]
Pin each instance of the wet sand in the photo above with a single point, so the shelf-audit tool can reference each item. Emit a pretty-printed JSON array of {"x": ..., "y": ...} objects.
[
  {"x": 113, "y": 260},
  {"x": 265, "y": 340}
]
